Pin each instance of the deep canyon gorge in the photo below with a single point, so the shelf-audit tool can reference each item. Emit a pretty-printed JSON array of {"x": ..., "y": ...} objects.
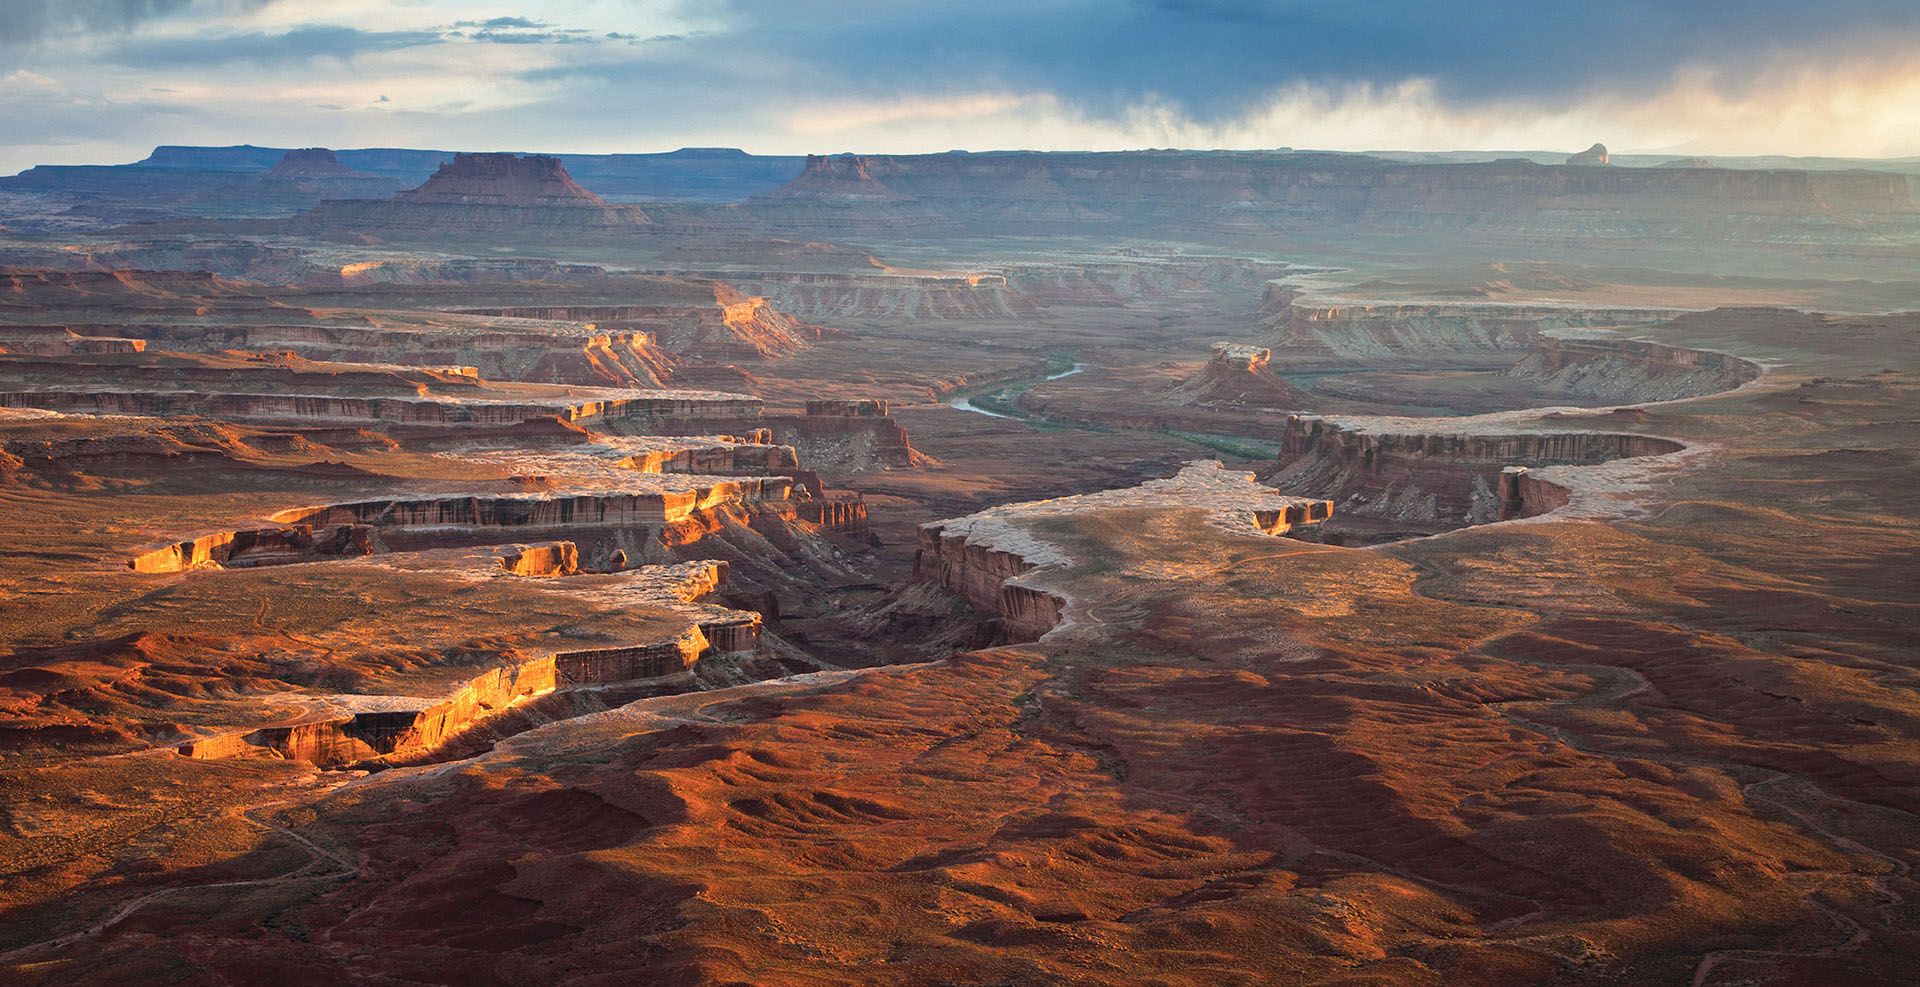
[{"x": 1101, "y": 568}]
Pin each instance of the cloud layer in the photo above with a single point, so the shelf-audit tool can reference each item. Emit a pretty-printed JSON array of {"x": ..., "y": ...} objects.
[{"x": 98, "y": 80}]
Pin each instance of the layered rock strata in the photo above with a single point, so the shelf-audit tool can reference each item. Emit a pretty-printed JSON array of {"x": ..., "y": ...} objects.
[
  {"x": 531, "y": 195},
  {"x": 736, "y": 326},
  {"x": 560, "y": 558},
  {"x": 308, "y": 534},
  {"x": 62, "y": 341},
  {"x": 1631, "y": 370}
]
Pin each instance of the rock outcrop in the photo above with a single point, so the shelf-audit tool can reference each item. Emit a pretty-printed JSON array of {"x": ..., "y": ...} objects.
[
  {"x": 560, "y": 558},
  {"x": 847, "y": 435},
  {"x": 1592, "y": 157},
  {"x": 994, "y": 558},
  {"x": 1239, "y": 374}
]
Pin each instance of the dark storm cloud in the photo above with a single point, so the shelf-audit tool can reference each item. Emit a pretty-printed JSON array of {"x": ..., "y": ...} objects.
[
  {"x": 502, "y": 22},
  {"x": 299, "y": 44},
  {"x": 26, "y": 21},
  {"x": 1213, "y": 58},
  {"x": 501, "y": 36},
  {"x": 523, "y": 31}
]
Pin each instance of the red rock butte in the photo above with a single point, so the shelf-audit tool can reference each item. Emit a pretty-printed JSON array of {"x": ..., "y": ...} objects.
[{"x": 504, "y": 180}]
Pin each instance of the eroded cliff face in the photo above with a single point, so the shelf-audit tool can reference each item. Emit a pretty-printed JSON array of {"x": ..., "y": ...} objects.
[
  {"x": 988, "y": 578},
  {"x": 671, "y": 509},
  {"x": 1440, "y": 473},
  {"x": 504, "y": 180}
]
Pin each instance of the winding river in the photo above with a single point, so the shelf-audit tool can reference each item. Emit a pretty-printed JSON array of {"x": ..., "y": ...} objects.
[{"x": 965, "y": 403}]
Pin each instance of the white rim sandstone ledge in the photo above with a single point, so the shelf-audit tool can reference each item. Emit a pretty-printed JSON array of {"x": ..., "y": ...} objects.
[
  {"x": 590, "y": 404},
  {"x": 641, "y": 499},
  {"x": 1613, "y": 488},
  {"x": 341, "y": 730},
  {"x": 994, "y": 560}
]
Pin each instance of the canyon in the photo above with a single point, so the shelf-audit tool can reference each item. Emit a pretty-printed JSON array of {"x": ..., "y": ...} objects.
[{"x": 1157, "y": 566}]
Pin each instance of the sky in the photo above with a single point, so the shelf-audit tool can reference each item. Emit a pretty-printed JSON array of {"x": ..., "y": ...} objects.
[{"x": 103, "y": 81}]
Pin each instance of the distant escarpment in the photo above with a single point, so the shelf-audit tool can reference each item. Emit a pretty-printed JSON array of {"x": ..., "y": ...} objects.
[{"x": 1264, "y": 191}]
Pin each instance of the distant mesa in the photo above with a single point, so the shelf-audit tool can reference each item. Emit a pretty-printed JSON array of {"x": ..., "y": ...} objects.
[
  {"x": 1593, "y": 156},
  {"x": 537, "y": 180},
  {"x": 313, "y": 162},
  {"x": 1687, "y": 163},
  {"x": 530, "y": 196},
  {"x": 846, "y": 178}
]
